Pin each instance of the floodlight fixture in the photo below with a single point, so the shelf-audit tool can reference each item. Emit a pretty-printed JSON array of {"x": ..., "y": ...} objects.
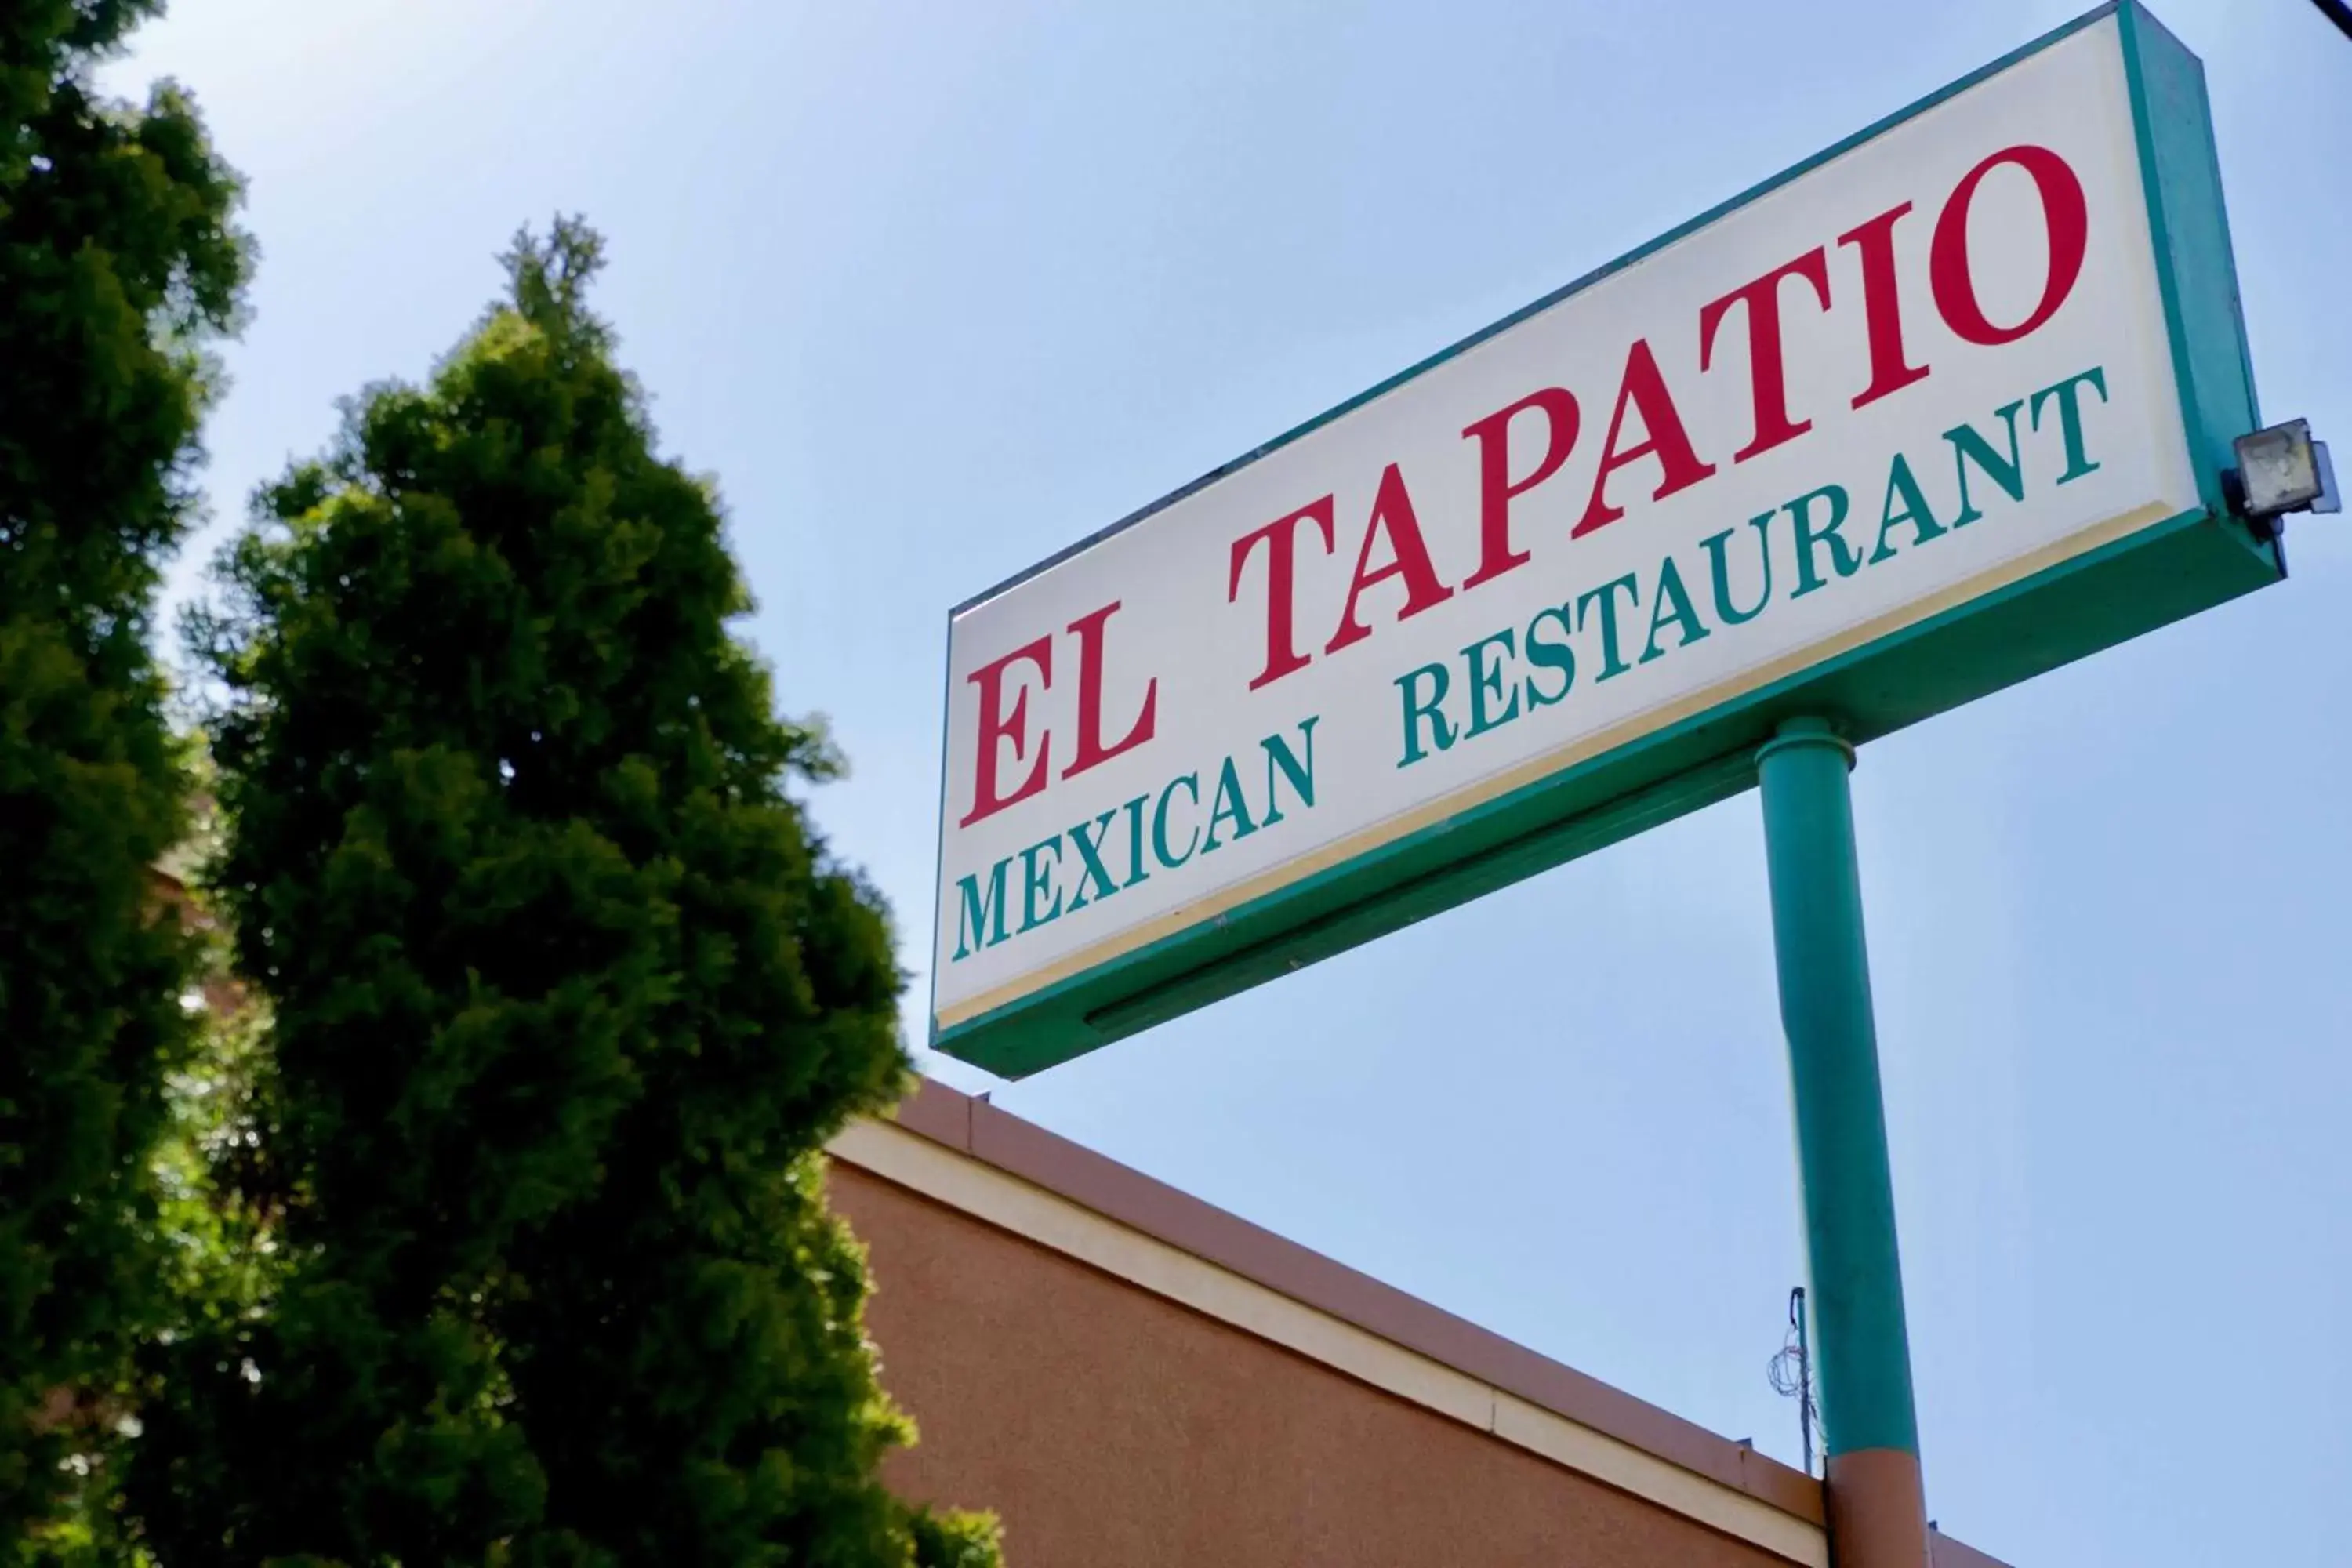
[{"x": 2283, "y": 469}]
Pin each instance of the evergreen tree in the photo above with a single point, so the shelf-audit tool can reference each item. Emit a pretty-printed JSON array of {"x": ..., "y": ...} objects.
[
  {"x": 117, "y": 261},
  {"x": 565, "y": 997}
]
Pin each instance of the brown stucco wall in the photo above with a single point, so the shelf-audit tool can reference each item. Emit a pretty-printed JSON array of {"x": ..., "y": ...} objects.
[{"x": 1111, "y": 1428}]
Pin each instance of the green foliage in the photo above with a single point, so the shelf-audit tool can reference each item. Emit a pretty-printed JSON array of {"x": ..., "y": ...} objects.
[
  {"x": 566, "y": 996},
  {"x": 957, "y": 1541},
  {"x": 117, "y": 260}
]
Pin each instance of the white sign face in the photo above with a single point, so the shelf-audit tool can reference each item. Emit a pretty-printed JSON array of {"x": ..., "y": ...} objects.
[{"x": 1918, "y": 371}]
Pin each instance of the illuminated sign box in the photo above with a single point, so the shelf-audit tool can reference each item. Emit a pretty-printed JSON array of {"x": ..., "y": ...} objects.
[{"x": 1942, "y": 409}]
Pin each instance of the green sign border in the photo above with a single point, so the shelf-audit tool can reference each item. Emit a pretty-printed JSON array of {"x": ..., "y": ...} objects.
[{"x": 2153, "y": 577}]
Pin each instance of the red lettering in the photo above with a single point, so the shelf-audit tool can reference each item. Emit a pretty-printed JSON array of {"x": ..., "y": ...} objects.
[
  {"x": 1091, "y": 749},
  {"x": 1409, "y": 558},
  {"x": 1282, "y": 654},
  {"x": 1644, "y": 390},
  {"x": 2066, "y": 216},
  {"x": 1495, "y": 488},
  {"x": 1882, "y": 306},
  {"x": 996, "y": 726},
  {"x": 1768, "y": 380}
]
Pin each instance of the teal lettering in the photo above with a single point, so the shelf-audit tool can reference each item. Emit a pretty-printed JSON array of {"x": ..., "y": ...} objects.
[
  {"x": 1613, "y": 663},
  {"x": 1092, "y": 872},
  {"x": 1228, "y": 808},
  {"x": 1843, "y": 558},
  {"x": 1968, "y": 446},
  {"x": 1720, "y": 568},
  {"x": 973, "y": 916},
  {"x": 1192, "y": 783},
  {"x": 1916, "y": 511},
  {"x": 1035, "y": 879},
  {"x": 1441, "y": 732},
  {"x": 1135, "y": 872},
  {"x": 1486, "y": 680},
  {"x": 2070, "y": 418},
  {"x": 1671, "y": 606},
  {"x": 1547, "y": 655},
  {"x": 1302, "y": 778}
]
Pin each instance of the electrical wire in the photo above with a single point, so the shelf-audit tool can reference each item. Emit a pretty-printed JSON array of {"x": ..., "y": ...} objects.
[{"x": 1790, "y": 1374}]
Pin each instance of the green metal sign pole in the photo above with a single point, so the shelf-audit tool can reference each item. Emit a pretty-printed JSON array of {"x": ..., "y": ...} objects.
[{"x": 1878, "y": 1516}]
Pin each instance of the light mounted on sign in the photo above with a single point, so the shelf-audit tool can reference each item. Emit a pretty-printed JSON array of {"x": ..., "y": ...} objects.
[{"x": 2283, "y": 469}]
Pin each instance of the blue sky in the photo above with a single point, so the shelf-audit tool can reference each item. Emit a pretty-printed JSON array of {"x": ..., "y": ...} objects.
[{"x": 936, "y": 288}]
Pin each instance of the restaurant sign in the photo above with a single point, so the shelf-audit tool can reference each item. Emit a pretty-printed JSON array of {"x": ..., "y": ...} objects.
[{"x": 1944, "y": 407}]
